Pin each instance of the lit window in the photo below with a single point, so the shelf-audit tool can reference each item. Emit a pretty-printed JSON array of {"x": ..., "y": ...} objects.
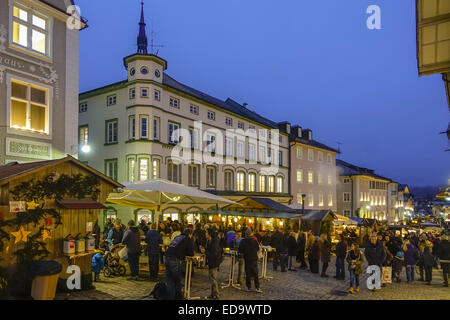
[
  {"x": 111, "y": 100},
  {"x": 330, "y": 181},
  {"x": 240, "y": 181},
  {"x": 330, "y": 200},
  {"x": 262, "y": 183},
  {"x": 29, "y": 107},
  {"x": 310, "y": 177},
  {"x": 30, "y": 30},
  {"x": 311, "y": 200},
  {"x": 251, "y": 182},
  {"x": 320, "y": 199},
  {"x": 131, "y": 167},
  {"x": 143, "y": 169},
  {"x": 280, "y": 182},
  {"x": 299, "y": 198},
  {"x": 319, "y": 178},
  {"x": 271, "y": 184},
  {"x": 174, "y": 102},
  {"x": 299, "y": 176},
  {"x": 83, "y": 137},
  {"x": 211, "y": 115},
  {"x": 155, "y": 173},
  {"x": 83, "y": 107}
]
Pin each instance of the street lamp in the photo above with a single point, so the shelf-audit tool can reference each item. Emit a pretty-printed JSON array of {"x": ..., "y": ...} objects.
[{"x": 86, "y": 148}]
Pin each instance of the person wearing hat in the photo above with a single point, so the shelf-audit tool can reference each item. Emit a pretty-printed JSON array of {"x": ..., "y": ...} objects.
[
  {"x": 397, "y": 266},
  {"x": 249, "y": 248},
  {"x": 132, "y": 240}
]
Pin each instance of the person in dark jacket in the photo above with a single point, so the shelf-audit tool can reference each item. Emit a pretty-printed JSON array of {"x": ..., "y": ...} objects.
[
  {"x": 213, "y": 254},
  {"x": 153, "y": 239},
  {"x": 301, "y": 246},
  {"x": 443, "y": 252},
  {"x": 427, "y": 261},
  {"x": 108, "y": 226},
  {"x": 375, "y": 253},
  {"x": 411, "y": 259},
  {"x": 325, "y": 254},
  {"x": 249, "y": 248},
  {"x": 266, "y": 238},
  {"x": 143, "y": 226},
  {"x": 277, "y": 242},
  {"x": 397, "y": 266},
  {"x": 314, "y": 256},
  {"x": 341, "y": 253},
  {"x": 292, "y": 251},
  {"x": 96, "y": 234},
  {"x": 132, "y": 240},
  {"x": 199, "y": 238},
  {"x": 115, "y": 235},
  {"x": 176, "y": 253}
]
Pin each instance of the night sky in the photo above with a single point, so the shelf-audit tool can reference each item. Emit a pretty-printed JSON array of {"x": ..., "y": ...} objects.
[{"x": 311, "y": 62}]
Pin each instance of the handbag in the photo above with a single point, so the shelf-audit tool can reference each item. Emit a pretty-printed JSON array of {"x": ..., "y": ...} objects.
[{"x": 123, "y": 253}]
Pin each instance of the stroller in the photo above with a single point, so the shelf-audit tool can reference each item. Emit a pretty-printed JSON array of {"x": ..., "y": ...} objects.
[{"x": 112, "y": 262}]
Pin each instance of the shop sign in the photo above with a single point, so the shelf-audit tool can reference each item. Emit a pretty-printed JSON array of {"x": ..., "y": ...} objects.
[{"x": 17, "y": 206}]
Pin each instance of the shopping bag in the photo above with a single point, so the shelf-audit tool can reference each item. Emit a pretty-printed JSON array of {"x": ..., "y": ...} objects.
[
  {"x": 123, "y": 253},
  {"x": 386, "y": 275}
]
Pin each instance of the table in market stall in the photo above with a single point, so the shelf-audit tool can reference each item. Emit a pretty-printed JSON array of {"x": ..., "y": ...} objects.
[
  {"x": 197, "y": 258},
  {"x": 233, "y": 254},
  {"x": 265, "y": 251}
]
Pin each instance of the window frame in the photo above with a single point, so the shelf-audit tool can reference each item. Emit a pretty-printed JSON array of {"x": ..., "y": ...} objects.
[
  {"x": 213, "y": 115},
  {"x": 191, "y": 175},
  {"x": 169, "y": 136},
  {"x": 240, "y": 181},
  {"x": 141, "y": 118},
  {"x": 86, "y": 141},
  {"x": 81, "y": 105},
  {"x": 116, "y": 168},
  {"x": 107, "y": 122},
  {"x": 156, "y": 95},
  {"x": 113, "y": 101},
  {"x": 210, "y": 185},
  {"x": 174, "y": 102},
  {"x": 132, "y": 127}
]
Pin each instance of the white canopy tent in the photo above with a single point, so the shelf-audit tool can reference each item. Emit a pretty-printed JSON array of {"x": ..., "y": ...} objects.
[{"x": 159, "y": 194}]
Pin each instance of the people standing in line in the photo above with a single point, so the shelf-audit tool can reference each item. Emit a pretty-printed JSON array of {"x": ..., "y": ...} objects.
[
  {"x": 115, "y": 235},
  {"x": 325, "y": 254},
  {"x": 132, "y": 240},
  {"x": 213, "y": 254},
  {"x": 375, "y": 253},
  {"x": 176, "y": 253},
  {"x": 355, "y": 260},
  {"x": 249, "y": 248},
  {"x": 341, "y": 253},
  {"x": 292, "y": 251},
  {"x": 314, "y": 256},
  {"x": 443, "y": 252},
  {"x": 278, "y": 243},
  {"x": 427, "y": 262},
  {"x": 301, "y": 245},
  {"x": 154, "y": 240},
  {"x": 411, "y": 259}
]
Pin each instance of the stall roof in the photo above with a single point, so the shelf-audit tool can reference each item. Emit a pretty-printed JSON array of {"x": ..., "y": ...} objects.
[
  {"x": 317, "y": 215},
  {"x": 267, "y": 215},
  {"x": 80, "y": 204}
]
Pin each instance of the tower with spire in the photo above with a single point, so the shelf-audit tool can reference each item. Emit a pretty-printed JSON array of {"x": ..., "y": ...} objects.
[{"x": 142, "y": 65}]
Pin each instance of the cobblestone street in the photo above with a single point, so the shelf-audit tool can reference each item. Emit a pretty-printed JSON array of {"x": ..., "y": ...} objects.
[{"x": 300, "y": 285}]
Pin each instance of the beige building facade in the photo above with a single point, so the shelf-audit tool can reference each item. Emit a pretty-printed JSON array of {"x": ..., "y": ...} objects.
[
  {"x": 312, "y": 172},
  {"x": 38, "y": 80}
]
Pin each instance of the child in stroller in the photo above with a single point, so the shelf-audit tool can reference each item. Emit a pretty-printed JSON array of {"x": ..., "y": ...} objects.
[
  {"x": 112, "y": 262},
  {"x": 397, "y": 266}
]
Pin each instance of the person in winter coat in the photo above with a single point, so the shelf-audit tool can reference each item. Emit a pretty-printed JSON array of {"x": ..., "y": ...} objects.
[
  {"x": 213, "y": 254},
  {"x": 375, "y": 253},
  {"x": 301, "y": 246},
  {"x": 443, "y": 252},
  {"x": 427, "y": 261},
  {"x": 96, "y": 234},
  {"x": 143, "y": 226},
  {"x": 97, "y": 265},
  {"x": 423, "y": 243},
  {"x": 249, "y": 248},
  {"x": 411, "y": 259},
  {"x": 132, "y": 239},
  {"x": 292, "y": 251},
  {"x": 108, "y": 226},
  {"x": 341, "y": 253},
  {"x": 355, "y": 260},
  {"x": 266, "y": 238},
  {"x": 397, "y": 266},
  {"x": 278, "y": 243},
  {"x": 325, "y": 255},
  {"x": 314, "y": 256},
  {"x": 115, "y": 235},
  {"x": 153, "y": 239},
  {"x": 199, "y": 238}
]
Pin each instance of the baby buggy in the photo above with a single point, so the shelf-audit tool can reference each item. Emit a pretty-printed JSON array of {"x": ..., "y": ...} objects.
[{"x": 112, "y": 263}]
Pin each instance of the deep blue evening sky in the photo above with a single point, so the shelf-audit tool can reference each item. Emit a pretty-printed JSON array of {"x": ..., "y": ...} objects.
[{"x": 311, "y": 62}]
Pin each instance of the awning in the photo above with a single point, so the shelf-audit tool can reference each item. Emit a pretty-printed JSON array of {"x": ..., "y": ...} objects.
[
  {"x": 343, "y": 218},
  {"x": 250, "y": 214},
  {"x": 80, "y": 204}
]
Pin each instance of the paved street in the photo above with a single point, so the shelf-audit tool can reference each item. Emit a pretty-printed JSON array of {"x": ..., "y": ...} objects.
[{"x": 300, "y": 285}]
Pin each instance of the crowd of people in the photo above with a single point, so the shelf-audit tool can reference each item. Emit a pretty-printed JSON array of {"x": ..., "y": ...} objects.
[{"x": 311, "y": 252}]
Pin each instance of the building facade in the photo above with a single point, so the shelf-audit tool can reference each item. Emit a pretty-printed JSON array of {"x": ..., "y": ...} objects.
[
  {"x": 152, "y": 126},
  {"x": 312, "y": 172},
  {"x": 363, "y": 194},
  {"x": 38, "y": 80}
]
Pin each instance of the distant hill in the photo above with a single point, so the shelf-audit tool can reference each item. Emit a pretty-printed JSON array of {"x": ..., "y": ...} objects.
[{"x": 427, "y": 192}]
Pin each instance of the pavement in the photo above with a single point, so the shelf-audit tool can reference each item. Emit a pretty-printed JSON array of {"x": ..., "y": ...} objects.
[{"x": 299, "y": 285}]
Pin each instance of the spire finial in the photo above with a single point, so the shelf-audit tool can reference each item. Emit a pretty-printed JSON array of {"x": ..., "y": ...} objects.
[{"x": 142, "y": 37}]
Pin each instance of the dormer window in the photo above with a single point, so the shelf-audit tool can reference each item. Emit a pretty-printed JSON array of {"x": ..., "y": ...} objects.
[{"x": 309, "y": 135}]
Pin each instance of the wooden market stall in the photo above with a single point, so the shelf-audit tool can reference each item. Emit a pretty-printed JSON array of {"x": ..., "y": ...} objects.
[{"x": 41, "y": 204}]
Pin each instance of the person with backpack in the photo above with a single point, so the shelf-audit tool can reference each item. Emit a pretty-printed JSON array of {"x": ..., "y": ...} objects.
[
  {"x": 132, "y": 240},
  {"x": 341, "y": 253},
  {"x": 214, "y": 258},
  {"x": 249, "y": 248},
  {"x": 176, "y": 253},
  {"x": 355, "y": 260},
  {"x": 154, "y": 240},
  {"x": 411, "y": 259}
]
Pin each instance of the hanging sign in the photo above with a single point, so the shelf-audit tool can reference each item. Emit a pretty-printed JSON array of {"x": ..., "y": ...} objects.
[
  {"x": 89, "y": 227},
  {"x": 17, "y": 206}
]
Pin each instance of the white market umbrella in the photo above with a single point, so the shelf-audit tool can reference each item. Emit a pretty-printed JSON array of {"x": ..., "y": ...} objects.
[{"x": 159, "y": 193}]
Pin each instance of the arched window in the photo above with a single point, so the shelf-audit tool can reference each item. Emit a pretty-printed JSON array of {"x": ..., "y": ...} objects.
[
  {"x": 280, "y": 182},
  {"x": 240, "y": 181},
  {"x": 210, "y": 177},
  {"x": 251, "y": 182},
  {"x": 271, "y": 184},
  {"x": 262, "y": 183},
  {"x": 229, "y": 181}
]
